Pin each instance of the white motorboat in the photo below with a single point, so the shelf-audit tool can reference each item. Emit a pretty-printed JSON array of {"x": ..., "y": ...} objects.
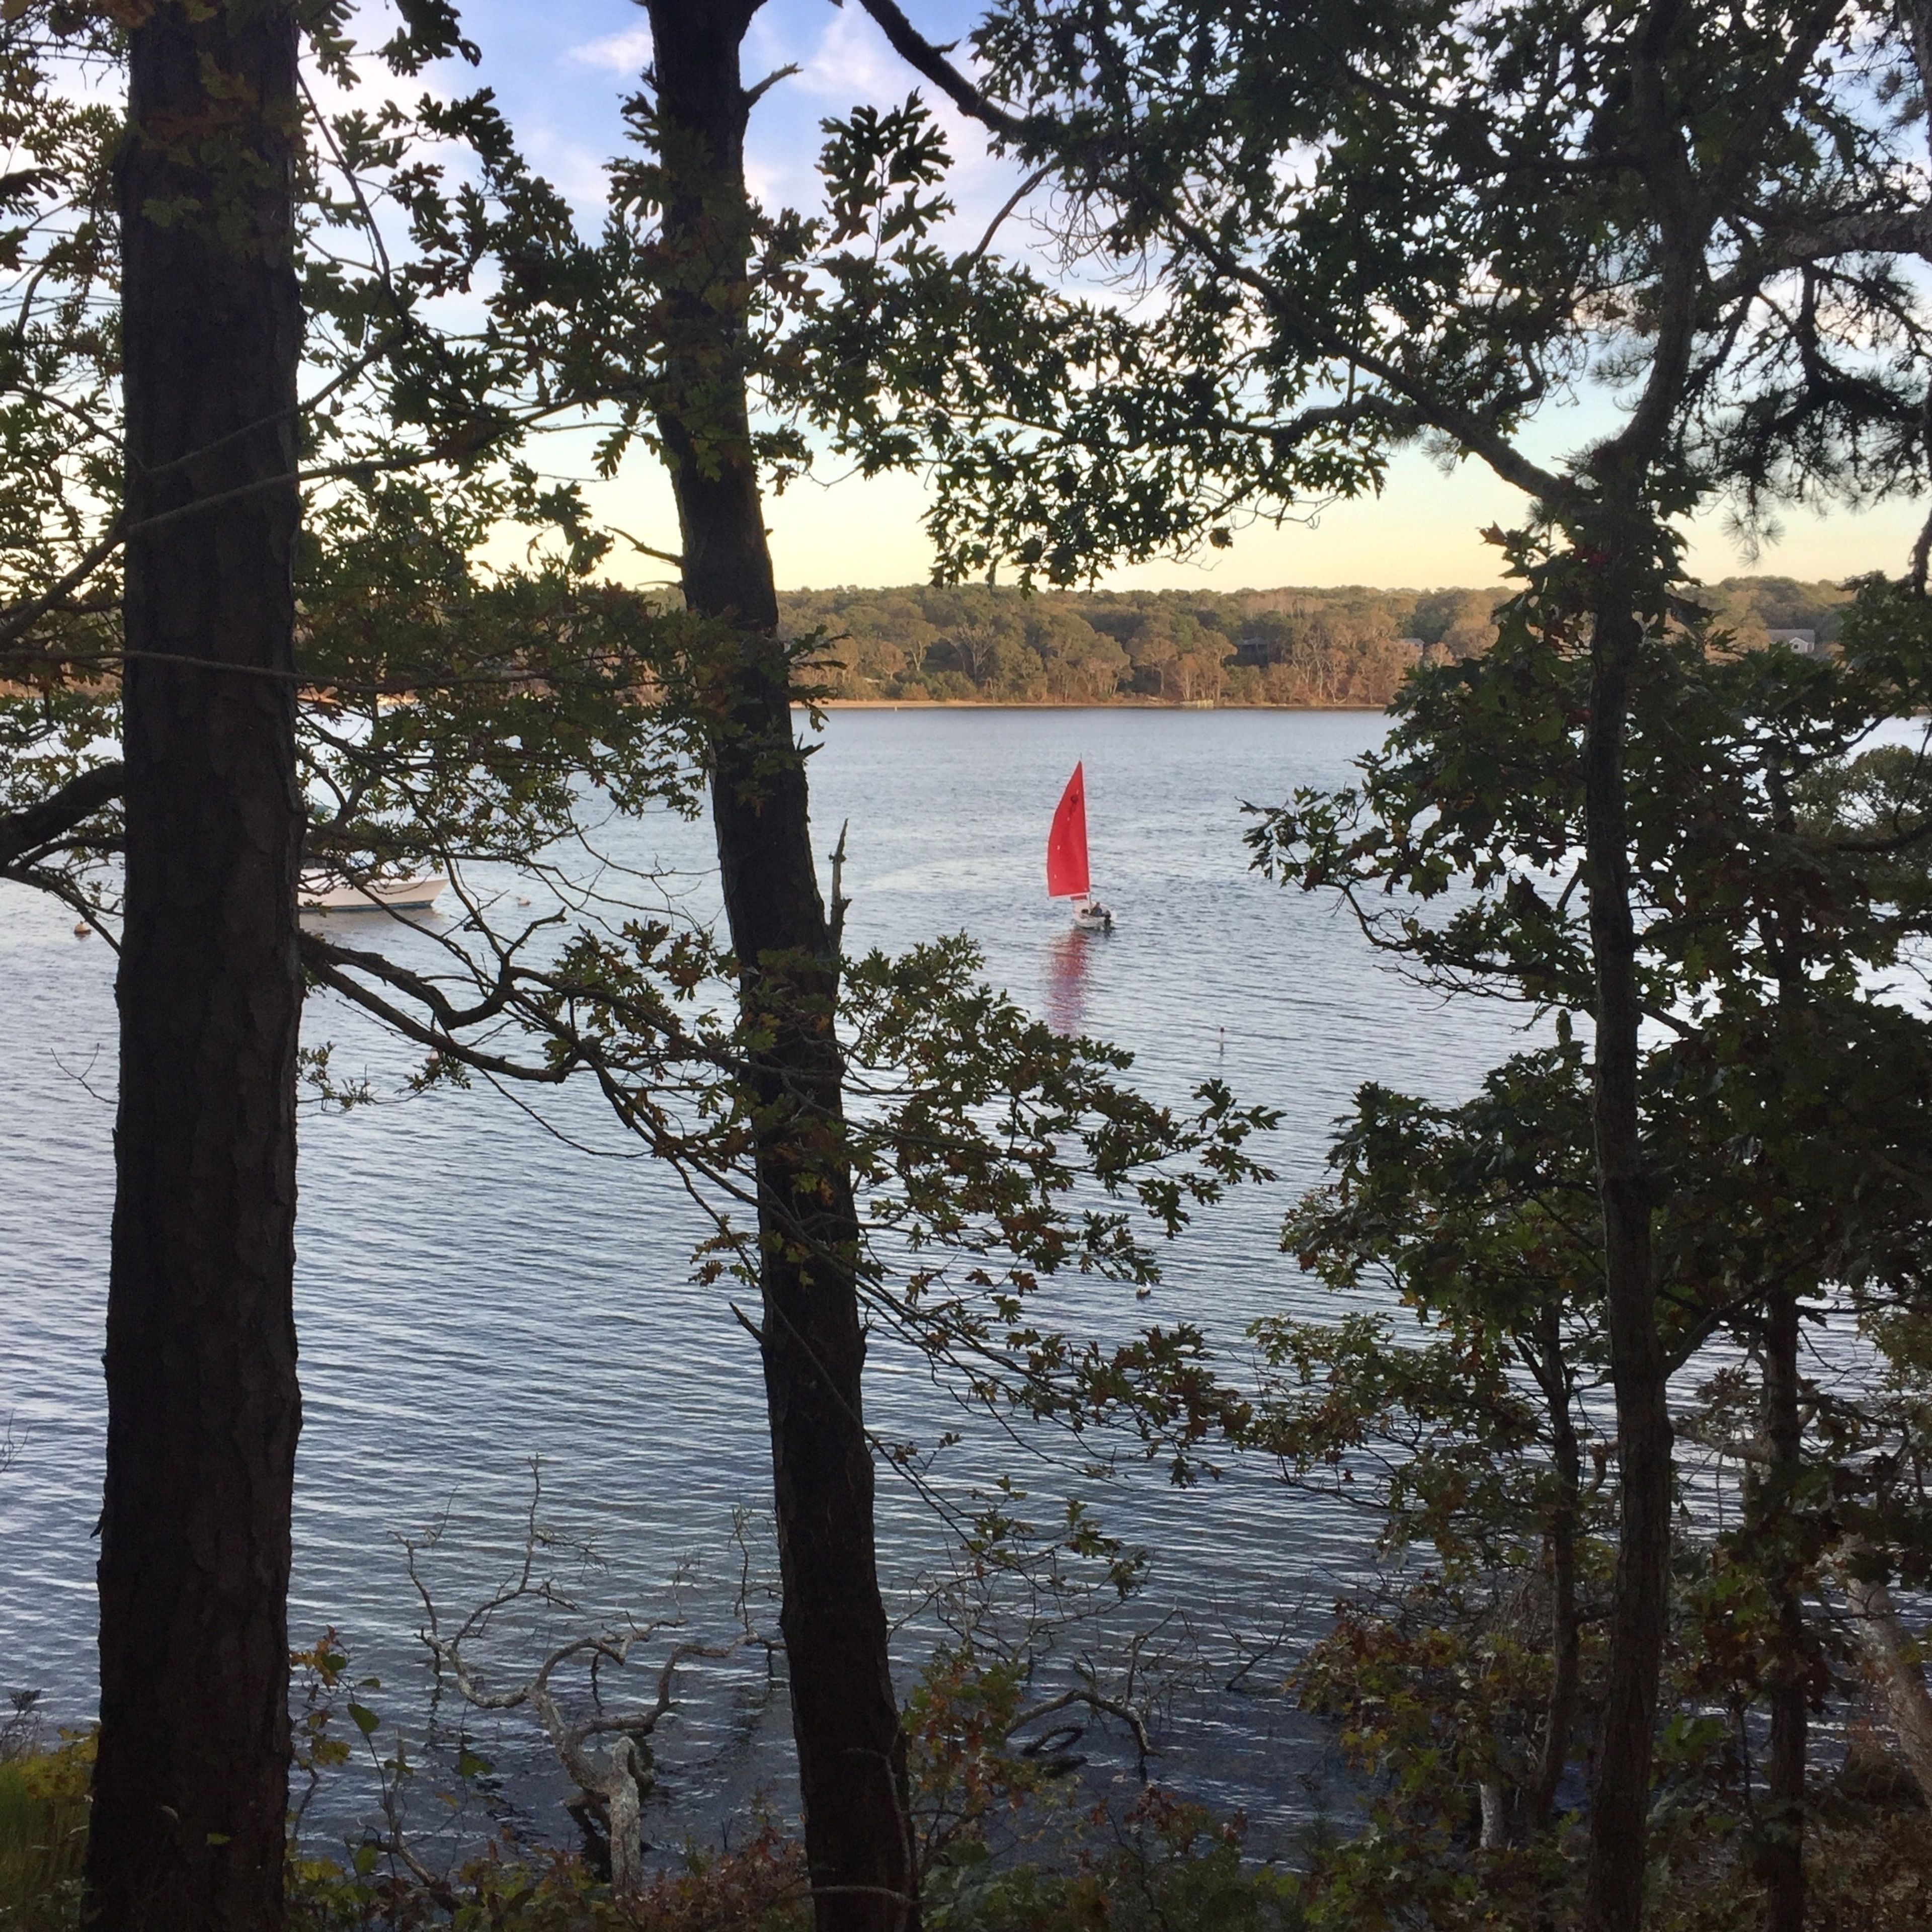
[{"x": 328, "y": 892}]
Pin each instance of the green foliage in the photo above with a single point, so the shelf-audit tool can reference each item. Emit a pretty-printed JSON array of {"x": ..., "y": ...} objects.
[
  {"x": 454, "y": 711},
  {"x": 1436, "y": 1438},
  {"x": 1750, "y": 608},
  {"x": 58, "y": 459},
  {"x": 1173, "y": 1868},
  {"x": 1476, "y": 229},
  {"x": 1371, "y": 227},
  {"x": 1302, "y": 647},
  {"x": 59, "y": 455},
  {"x": 759, "y": 1887},
  {"x": 1431, "y": 1700},
  {"x": 966, "y": 1775},
  {"x": 43, "y": 1799},
  {"x": 988, "y": 1151},
  {"x": 448, "y": 710},
  {"x": 1778, "y": 878},
  {"x": 1433, "y": 1691},
  {"x": 1475, "y": 804}
]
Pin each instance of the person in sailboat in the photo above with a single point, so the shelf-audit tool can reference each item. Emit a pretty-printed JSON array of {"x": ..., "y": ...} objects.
[{"x": 1066, "y": 868}]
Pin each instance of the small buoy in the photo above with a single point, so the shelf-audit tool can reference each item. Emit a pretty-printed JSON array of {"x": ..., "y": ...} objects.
[
  {"x": 522, "y": 901},
  {"x": 1224, "y": 1039},
  {"x": 81, "y": 930}
]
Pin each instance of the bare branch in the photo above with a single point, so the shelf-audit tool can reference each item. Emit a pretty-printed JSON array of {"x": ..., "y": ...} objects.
[
  {"x": 603, "y": 1751},
  {"x": 1094, "y": 1701}
]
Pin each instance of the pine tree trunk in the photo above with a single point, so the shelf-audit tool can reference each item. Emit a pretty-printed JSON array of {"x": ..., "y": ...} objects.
[
  {"x": 1565, "y": 1648},
  {"x": 1783, "y": 1862},
  {"x": 1620, "y": 1796},
  {"x": 190, "y": 1788},
  {"x": 851, "y": 1754}
]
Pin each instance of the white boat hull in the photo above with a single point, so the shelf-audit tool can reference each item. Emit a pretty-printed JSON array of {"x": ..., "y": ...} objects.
[
  {"x": 322, "y": 894},
  {"x": 1090, "y": 915}
]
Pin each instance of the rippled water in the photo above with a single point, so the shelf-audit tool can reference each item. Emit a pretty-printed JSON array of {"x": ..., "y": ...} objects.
[{"x": 474, "y": 1291}]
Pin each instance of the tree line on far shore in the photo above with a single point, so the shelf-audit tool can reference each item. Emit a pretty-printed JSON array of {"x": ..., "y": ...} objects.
[{"x": 1336, "y": 647}]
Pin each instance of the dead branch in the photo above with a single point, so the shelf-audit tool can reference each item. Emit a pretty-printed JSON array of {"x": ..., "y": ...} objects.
[
  {"x": 603, "y": 1751},
  {"x": 1093, "y": 1701}
]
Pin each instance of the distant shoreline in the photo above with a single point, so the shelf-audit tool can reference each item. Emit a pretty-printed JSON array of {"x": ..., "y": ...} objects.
[{"x": 1061, "y": 704}]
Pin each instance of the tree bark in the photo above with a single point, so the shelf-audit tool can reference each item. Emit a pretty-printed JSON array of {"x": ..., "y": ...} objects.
[
  {"x": 1773, "y": 1498},
  {"x": 190, "y": 1788},
  {"x": 1565, "y": 1647},
  {"x": 851, "y": 1752},
  {"x": 1783, "y": 1856},
  {"x": 1492, "y": 1802},
  {"x": 1620, "y": 1795}
]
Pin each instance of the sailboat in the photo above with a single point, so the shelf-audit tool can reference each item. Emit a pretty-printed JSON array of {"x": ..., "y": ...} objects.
[{"x": 1067, "y": 858}]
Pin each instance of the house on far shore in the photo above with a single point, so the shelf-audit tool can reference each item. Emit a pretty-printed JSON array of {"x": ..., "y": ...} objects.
[{"x": 1804, "y": 642}]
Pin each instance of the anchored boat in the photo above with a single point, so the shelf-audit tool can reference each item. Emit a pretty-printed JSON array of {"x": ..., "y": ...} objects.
[
  {"x": 1066, "y": 871},
  {"x": 327, "y": 892}
]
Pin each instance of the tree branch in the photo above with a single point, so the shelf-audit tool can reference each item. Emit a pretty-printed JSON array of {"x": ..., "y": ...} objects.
[
  {"x": 1480, "y": 438},
  {"x": 24, "y": 832},
  {"x": 15, "y": 621}
]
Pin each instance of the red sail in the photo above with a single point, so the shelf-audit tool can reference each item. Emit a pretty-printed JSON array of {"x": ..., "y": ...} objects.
[{"x": 1067, "y": 843}]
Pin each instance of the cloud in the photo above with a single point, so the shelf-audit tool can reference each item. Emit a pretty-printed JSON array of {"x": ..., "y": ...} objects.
[
  {"x": 852, "y": 62},
  {"x": 624, "y": 53},
  {"x": 575, "y": 169}
]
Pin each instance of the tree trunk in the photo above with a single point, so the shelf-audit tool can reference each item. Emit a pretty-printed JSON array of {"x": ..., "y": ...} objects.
[
  {"x": 190, "y": 1789},
  {"x": 1892, "y": 1658},
  {"x": 1565, "y": 1647},
  {"x": 1783, "y": 1860},
  {"x": 1493, "y": 1803},
  {"x": 1620, "y": 1796},
  {"x": 1774, "y": 1503},
  {"x": 851, "y": 1752}
]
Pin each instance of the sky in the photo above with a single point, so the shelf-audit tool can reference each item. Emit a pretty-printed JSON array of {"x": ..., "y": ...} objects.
[{"x": 561, "y": 70}]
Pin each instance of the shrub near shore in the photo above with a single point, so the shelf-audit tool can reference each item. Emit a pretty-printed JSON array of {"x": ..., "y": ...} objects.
[
  {"x": 1150, "y": 1863},
  {"x": 43, "y": 1833}
]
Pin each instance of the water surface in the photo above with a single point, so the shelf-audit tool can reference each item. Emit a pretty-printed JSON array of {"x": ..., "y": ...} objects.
[{"x": 475, "y": 1290}]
